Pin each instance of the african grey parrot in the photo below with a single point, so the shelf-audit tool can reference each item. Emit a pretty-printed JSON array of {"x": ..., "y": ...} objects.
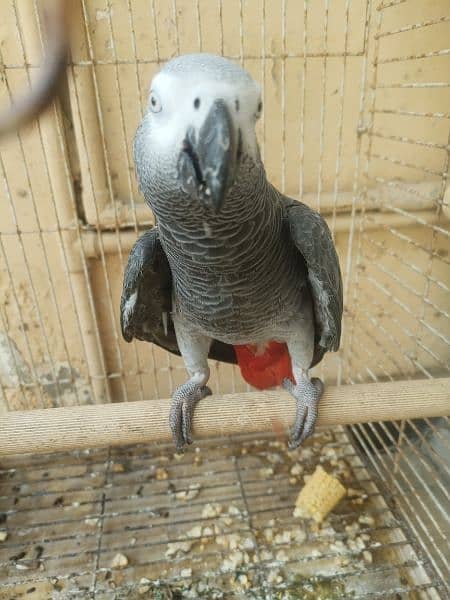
[{"x": 233, "y": 269}]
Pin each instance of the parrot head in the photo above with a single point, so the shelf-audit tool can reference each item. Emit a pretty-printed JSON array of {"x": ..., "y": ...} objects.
[{"x": 201, "y": 117}]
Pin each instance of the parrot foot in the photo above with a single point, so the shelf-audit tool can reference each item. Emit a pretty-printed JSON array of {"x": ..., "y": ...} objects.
[
  {"x": 184, "y": 401},
  {"x": 307, "y": 394}
]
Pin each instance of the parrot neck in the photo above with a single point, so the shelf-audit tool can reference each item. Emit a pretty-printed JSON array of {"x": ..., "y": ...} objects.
[
  {"x": 247, "y": 197},
  {"x": 193, "y": 233}
]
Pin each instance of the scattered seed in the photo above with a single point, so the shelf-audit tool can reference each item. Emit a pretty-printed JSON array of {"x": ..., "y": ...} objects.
[
  {"x": 175, "y": 547},
  {"x": 211, "y": 510},
  {"x": 195, "y": 532},
  {"x": 297, "y": 469},
  {"x": 120, "y": 561},
  {"x": 161, "y": 474},
  {"x": 144, "y": 586},
  {"x": 367, "y": 520},
  {"x": 266, "y": 472}
]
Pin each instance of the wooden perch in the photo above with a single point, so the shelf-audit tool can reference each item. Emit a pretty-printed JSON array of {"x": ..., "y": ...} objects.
[{"x": 78, "y": 427}]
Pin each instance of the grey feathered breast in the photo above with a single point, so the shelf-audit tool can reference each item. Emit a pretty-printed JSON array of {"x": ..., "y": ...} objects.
[{"x": 147, "y": 294}]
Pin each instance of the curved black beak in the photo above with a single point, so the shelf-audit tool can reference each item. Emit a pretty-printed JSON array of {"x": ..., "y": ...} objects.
[{"x": 207, "y": 163}]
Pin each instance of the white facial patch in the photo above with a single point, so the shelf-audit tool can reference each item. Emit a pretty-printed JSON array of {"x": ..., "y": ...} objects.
[{"x": 186, "y": 101}]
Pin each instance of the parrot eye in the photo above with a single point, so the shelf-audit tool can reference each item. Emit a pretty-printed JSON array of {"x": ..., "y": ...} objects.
[
  {"x": 259, "y": 109},
  {"x": 155, "y": 103}
]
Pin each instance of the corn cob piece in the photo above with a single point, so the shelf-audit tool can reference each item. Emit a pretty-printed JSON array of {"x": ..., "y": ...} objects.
[{"x": 319, "y": 496}]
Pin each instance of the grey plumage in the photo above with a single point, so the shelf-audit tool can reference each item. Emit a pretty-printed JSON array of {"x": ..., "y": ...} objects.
[
  {"x": 147, "y": 296},
  {"x": 245, "y": 264},
  {"x": 311, "y": 236}
]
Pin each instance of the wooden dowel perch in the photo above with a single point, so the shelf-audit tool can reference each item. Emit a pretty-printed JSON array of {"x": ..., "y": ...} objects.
[{"x": 78, "y": 427}]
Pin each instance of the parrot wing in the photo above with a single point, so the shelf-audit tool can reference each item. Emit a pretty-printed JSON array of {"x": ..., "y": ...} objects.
[
  {"x": 312, "y": 237},
  {"x": 146, "y": 303}
]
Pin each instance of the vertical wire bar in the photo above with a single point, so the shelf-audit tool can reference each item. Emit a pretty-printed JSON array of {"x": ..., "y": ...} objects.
[
  {"x": 437, "y": 431},
  {"x": 139, "y": 87},
  {"x": 411, "y": 487},
  {"x": 420, "y": 458},
  {"x": 13, "y": 290},
  {"x": 422, "y": 369},
  {"x": 406, "y": 238},
  {"x": 109, "y": 180},
  {"x": 430, "y": 494},
  {"x": 360, "y": 195},
  {"x": 82, "y": 253},
  {"x": 45, "y": 336},
  {"x": 241, "y": 60},
  {"x": 322, "y": 109},
  {"x": 426, "y": 444},
  {"x": 155, "y": 33},
  {"x": 322, "y": 130},
  {"x": 101, "y": 516},
  {"x": 199, "y": 27},
  {"x": 369, "y": 302},
  {"x": 341, "y": 121},
  {"x": 263, "y": 77},
  {"x": 35, "y": 209},
  {"x": 14, "y": 293},
  {"x": 301, "y": 183},
  {"x": 129, "y": 182},
  {"x": 170, "y": 366},
  {"x": 175, "y": 20},
  {"x": 158, "y": 58},
  {"x": 133, "y": 204},
  {"x": 241, "y": 34},
  {"x": 20, "y": 384},
  {"x": 402, "y": 305},
  {"x": 357, "y": 167},
  {"x": 283, "y": 96},
  {"x": 376, "y": 323},
  {"x": 112, "y": 200},
  {"x": 221, "y": 25},
  {"x": 410, "y": 266},
  {"x": 426, "y": 290},
  {"x": 99, "y": 237},
  {"x": 5, "y": 405},
  {"x": 373, "y": 359},
  {"x": 62, "y": 245},
  {"x": 54, "y": 204},
  {"x": 361, "y": 437}
]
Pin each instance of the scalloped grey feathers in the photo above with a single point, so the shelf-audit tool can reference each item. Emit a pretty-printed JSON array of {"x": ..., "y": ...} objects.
[
  {"x": 147, "y": 296},
  {"x": 147, "y": 286}
]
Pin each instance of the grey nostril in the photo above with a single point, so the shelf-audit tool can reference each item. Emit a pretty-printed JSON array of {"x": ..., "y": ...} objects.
[
  {"x": 236, "y": 103},
  {"x": 196, "y": 103}
]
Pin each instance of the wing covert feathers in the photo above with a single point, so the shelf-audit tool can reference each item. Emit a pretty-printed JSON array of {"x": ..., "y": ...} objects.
[{"x": 313, "y": 239}]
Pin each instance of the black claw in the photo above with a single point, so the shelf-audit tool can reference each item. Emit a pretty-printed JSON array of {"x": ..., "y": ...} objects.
[
  {"x": 307, "y": 397},
  {"x": 184, "y": 401}
]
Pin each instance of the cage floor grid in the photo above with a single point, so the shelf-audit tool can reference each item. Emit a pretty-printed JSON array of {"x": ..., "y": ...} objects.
[{"x": 217, "y": 521}]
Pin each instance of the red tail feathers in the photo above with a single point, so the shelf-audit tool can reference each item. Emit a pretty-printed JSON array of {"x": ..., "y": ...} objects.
[{"x": 264, "y": 369}]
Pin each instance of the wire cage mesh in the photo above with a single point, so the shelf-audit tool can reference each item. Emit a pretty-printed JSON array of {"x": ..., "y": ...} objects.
[{"x": 356, "y": 123}]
